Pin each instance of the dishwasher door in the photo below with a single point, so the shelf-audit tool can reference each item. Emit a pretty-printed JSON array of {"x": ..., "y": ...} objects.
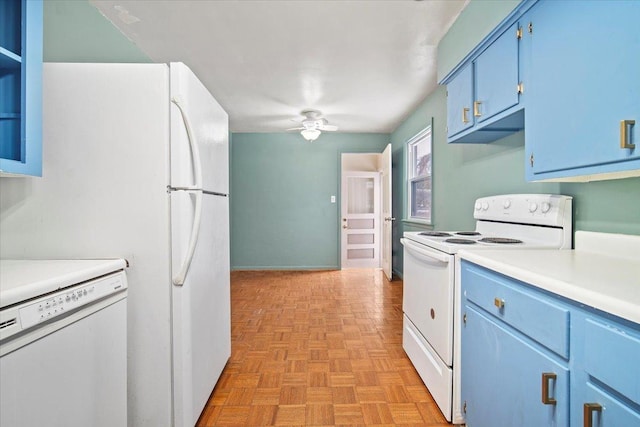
[{"x": 74, "y": 376}]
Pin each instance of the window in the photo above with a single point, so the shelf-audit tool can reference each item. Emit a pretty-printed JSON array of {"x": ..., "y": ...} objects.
[{"x": 419, "y": 176}]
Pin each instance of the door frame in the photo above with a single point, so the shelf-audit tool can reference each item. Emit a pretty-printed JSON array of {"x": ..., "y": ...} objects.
[{"x": 386, "y": 224}]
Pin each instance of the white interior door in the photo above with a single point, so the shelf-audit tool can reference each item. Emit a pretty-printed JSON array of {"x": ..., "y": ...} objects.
[
  {"x": 387, "y": 218},
  {"x": 360, "y": 225}
]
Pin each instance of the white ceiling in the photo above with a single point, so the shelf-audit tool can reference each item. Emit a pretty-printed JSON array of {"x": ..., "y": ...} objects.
[{"x": 366, "y": 65}]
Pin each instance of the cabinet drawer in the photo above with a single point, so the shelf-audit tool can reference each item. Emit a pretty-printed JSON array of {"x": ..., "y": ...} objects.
[
  {"x": 610, "y": 352},
  {"x": 533, "y": 314}
]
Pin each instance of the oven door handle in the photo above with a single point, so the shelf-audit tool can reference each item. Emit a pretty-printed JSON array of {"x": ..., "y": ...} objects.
[{"x": 424, "y": 253}]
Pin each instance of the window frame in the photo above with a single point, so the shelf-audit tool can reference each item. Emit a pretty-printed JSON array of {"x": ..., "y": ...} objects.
[{"x": 420, "y": 137}]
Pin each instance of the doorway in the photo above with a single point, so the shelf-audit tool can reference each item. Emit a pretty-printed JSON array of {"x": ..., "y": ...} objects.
[{"x": 365, "y": 201}]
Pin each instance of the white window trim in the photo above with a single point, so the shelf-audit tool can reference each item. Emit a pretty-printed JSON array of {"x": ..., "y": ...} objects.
[{"x": 424, "y": 133}]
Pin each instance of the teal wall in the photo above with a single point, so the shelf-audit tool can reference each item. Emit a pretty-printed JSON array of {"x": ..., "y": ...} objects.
[
  {"x": 75, "y": 31},
  {"x": 475, "y": 22},
  {"x": 464, "y": 172},
  {"x": 281, "y": 215},
  {"x": 281, "y": 185}
]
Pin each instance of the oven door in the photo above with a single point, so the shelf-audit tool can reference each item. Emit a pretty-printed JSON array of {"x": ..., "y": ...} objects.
[{"x": 427, "y": 299}]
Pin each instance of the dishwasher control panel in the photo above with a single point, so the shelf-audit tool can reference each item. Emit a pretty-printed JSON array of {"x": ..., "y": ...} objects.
[{"x": 29, "y": 314}]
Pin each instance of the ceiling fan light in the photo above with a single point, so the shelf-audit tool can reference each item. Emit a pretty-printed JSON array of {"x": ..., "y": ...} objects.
[{"x": 310, "y": 134}]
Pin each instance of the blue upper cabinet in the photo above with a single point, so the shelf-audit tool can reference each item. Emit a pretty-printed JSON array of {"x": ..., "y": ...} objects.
[
  {"x": 584, "y": 93},
  {"x": 497, "y": 76},
  {"x": 21, "y": 87},
  {"x": 460, "y": 101},
  {"x": 484, "y": 92}
]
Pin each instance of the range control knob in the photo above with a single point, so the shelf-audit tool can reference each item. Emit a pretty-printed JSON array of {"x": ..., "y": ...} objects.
[
  {"x": 506, "y": 204},
  {"x": 545, "y": 207},
  {"x": 478, "y": 206},
  {"x": 485, "y": 206},
  {"x": 533, "y": 207}
]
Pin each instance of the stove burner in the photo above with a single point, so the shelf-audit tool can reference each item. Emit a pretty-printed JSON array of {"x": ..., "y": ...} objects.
[
  {"x": 501, "y": 240},
  {"x": 435, "y": 234},
  {"x": 468, "y": 233},
  {"x": 461, "y": 241}
]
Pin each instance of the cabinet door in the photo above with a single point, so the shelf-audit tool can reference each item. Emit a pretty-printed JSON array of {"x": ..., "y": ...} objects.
[
  {"x": 610, "y": 411},
  {"x": 497, "y": 76},
  {"x": 605, "y": 374},
  {"x": 502, "y": 377},
  {"x": 460, "y": 101},
  {"x": 584, "y": 81}
]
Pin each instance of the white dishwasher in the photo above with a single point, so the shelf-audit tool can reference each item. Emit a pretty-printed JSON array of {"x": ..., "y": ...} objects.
[{"x": 63, "y": 343}]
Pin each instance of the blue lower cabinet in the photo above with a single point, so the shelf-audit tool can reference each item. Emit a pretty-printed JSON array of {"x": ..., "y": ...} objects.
[
  {"x": 606, "y": 382},
  {"x": 602, "y": 409},
  {"x": 505, "y": 376},
  {"x": 512, "y": 375}
]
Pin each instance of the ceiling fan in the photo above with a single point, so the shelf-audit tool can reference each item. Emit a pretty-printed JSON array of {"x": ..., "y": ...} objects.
[{"x": 313, "y": 124}]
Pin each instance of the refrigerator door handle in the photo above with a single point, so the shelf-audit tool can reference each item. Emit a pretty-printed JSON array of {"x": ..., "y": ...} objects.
[
  {"x": 179, "y": 279},
  {"x": 195, "y": 152}
]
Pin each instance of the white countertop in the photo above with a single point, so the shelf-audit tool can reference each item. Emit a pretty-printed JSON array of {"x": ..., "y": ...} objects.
[
  {"x": 24, "y": 279},
  {"x": 608, "y": 283}
]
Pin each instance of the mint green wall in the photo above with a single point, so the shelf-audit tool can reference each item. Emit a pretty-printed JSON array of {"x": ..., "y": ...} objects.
[
  {"x": 75, "y": 31},
  {"x": 281, "y": 185},
  {"x": 281, "y": 215},
  {"x": 464, "y": 172},
  {"x": 474, "y": 23}
]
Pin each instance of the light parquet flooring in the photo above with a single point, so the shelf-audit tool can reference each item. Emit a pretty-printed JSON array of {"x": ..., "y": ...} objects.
[{"x": 318, "y": 348}]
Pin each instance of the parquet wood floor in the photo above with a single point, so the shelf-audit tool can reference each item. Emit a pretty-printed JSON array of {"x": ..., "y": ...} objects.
[{"x": 318, "y": 348}]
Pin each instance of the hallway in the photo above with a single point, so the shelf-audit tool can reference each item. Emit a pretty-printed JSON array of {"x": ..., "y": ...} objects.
[{"x": 318, "y": 348}]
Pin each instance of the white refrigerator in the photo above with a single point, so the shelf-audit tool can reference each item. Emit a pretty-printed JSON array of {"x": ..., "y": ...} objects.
[{"x": 136, "y": 166}]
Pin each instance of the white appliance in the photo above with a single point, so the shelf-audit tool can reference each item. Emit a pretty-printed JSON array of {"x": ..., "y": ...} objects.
[
  {"x": 522, "y": 221},
  {"x": 136, "y": 165},
  {"x": 63, "y": 343}
]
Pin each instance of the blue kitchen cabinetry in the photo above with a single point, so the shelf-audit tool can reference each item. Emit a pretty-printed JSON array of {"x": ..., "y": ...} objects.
[
  {"x": 585, "y": 60},
  {"x": 606, "y": 353},
  {"x": 484, "y": 91},
  {"x": 21, "y": 87},
  {"x": 531, "y": 358},
  {"x": 460, "y": 101},
  {"x": 508, "y": 359}
]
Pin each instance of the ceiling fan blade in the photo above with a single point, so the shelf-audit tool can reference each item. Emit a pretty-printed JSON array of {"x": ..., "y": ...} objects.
[
  {"x": 329, "y": 128},
  {"x": 294, "y": 129}
]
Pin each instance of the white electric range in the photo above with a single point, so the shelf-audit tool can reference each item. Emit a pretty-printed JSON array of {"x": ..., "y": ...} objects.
[{"x": 513, "y": 221}]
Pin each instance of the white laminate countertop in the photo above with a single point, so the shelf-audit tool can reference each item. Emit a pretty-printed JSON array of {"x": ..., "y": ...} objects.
[
  {"x": 607, "y": 283},
  {"x": 25, "y": 279}
]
